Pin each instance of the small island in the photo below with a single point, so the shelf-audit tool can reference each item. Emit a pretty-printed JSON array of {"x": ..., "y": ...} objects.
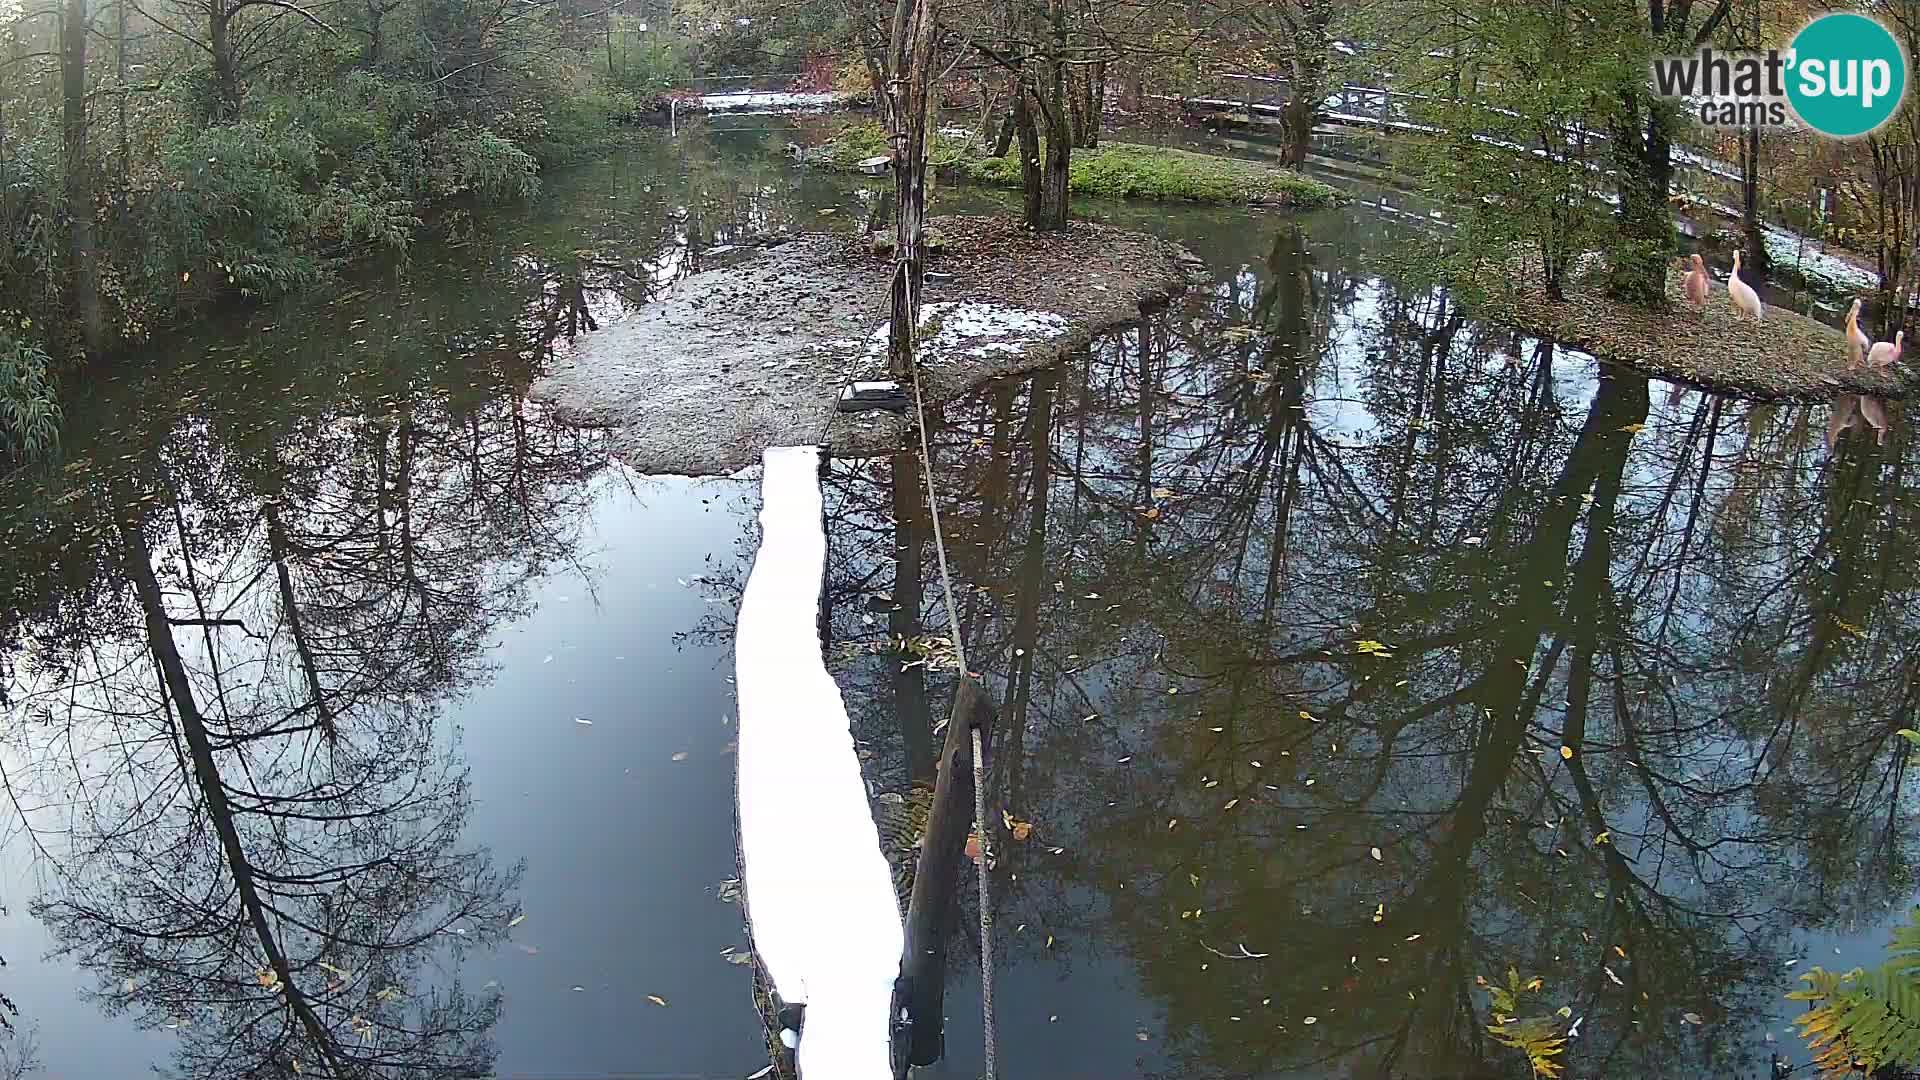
[
  {"x": 1784, "y": 356},
  {"x": 742, "y": 357}
]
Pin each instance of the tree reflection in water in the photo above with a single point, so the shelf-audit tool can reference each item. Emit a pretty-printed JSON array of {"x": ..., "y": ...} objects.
[{"x": 1307, "y": 566}]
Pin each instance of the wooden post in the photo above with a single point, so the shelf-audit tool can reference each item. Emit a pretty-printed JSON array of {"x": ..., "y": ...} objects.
[{"x": 919, "y": 995}]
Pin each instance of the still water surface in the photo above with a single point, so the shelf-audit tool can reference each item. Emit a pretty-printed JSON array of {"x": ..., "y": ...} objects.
[{"x": 1351, "y": 650}]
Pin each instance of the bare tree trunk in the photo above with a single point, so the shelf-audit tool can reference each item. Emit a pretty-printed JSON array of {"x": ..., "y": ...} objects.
[
  {"x": 907, "y": 103},
  {"x": 120, "y": 88},
  {"x": 1750, "y": 223},
  {"x": 1053, "y": 107},
  {"x": 226, "y": 75},
  {"x": 84, "y": 297},
  {"x": 1096, "y": 103},
  {"x": 1034, "y": 198},
  {"x": 1004, "y": 140}
]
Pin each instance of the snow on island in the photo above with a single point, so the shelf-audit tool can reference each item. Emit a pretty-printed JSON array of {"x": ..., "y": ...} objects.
[
  {"x": 754, "y": 353},
  {"x": 819, "y": 893},
  {"x": 968, "y": 328}
]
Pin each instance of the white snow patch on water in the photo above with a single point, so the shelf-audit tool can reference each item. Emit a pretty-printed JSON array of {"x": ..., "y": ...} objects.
[
  {"x": 973, "y": 328},
  {"x": 819, "y": 893}
]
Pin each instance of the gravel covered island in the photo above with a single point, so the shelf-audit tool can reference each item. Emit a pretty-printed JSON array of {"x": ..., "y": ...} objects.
[
  {"x": 1785, "y": 356},
  {"x": 740, "y": 358}
]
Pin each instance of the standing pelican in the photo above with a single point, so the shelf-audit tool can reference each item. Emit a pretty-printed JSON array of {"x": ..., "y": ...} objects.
[
  {"x": 1697, "y": 284},
  {"x": 1857, "y": 340},
  {"x": 1745, "y": 300},
  {"x": 1885, "y": 354}
]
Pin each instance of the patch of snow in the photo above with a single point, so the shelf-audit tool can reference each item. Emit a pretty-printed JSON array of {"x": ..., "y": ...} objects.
[
  {"x": 1789, "y": 250},
  {"x": 975, "y": 329},
  {"x": 819, "y": 892}
]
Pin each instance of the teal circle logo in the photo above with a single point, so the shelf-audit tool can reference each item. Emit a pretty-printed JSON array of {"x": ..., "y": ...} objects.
[{"x": 1847, "y": 75}]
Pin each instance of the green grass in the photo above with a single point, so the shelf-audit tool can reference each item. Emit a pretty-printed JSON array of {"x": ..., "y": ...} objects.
[
  {"x": 1131, "y": 171},
  {"x": 1114, "y": 171}
]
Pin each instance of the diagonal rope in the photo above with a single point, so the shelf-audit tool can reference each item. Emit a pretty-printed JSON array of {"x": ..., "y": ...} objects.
[{"x": 960, "y": 655}]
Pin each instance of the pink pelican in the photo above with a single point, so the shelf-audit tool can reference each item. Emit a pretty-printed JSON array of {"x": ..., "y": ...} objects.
[
  {"x": 1885, "y": 354},
  {"x": 1745, "y": 300},
  {"x": 1698, "y": 283}
]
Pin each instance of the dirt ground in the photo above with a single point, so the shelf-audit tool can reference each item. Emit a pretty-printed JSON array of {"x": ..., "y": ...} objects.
[{"x": 736, "y": 359}]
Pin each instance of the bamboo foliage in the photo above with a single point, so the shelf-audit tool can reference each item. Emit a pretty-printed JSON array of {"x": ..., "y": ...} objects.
[{"x": 1863, "y": 1020}]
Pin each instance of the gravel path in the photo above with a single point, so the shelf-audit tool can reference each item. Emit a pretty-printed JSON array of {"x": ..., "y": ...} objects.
[{"x": 733, "y": 360}]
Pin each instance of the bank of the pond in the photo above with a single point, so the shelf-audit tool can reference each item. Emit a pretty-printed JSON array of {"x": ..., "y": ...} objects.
[
  {"x": 736, "y": 359},
  {"x": 1785, "y": 356},
  {"x": 1115, "y": 170}
]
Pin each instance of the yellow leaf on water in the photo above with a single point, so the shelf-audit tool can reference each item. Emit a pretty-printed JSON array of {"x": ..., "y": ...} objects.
[
  {"x": 1605, "y": 837},
  {"x": 1163, "y": 493},
  {"x": 1380, "y": 913},
  {"x": 657, "y": 1000},
  {"x": 1567, "y": 752},
  {"x": 1375, "y": 852},
  {"x": 516, "y": 921},
  {"x": 1634, "y": 429}
]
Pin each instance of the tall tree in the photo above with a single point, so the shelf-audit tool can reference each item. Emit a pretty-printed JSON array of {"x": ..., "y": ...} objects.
[
  {"x": 84, "y": 286},
  {"x": 909, "y": 90}
]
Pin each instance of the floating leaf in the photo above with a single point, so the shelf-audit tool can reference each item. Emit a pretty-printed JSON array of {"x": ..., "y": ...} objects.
[
  {"x": 1163, "y": 493},
  {"x": 1691, "y": 1018},
  {"x": 657, "y": 1000},
  {"x": 1375, "y": 852},
  {"x": 1310, "y": 1020},
  {"x": 681, "y": 756},
  {"x": 1633, "y": 429},
  {"x": 516, "y": 921},
  {"x": 1603, "y": 838},
  {"x": 1380, "y": 913},
  {"x": 1611, "y": 975},
  {"x": 1566, "y": 752},
  {"x": 1910, "y": 735}
]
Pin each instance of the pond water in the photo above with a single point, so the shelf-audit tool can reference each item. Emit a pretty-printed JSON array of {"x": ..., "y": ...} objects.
[{"x": 1350, "y": 651}]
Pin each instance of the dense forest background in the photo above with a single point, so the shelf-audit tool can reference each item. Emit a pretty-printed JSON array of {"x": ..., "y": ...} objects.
[{"x": 160, "y": 155}]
